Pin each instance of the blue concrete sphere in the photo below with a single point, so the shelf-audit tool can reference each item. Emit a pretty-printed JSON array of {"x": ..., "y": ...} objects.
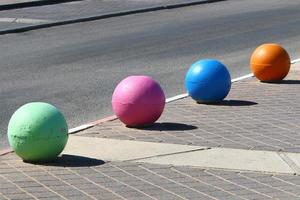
[{"x": 208, "y": 80}]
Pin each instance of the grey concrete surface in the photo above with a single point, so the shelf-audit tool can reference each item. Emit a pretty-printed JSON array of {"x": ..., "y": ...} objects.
[
  {"x": 76, "y": 67},
  {"x": 182, "y": 155}
]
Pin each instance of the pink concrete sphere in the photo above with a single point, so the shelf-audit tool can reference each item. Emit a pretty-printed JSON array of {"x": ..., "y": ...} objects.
[{"x": 138, "y": 101}]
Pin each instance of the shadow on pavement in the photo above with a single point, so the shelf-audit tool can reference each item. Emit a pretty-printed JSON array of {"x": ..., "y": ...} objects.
[
  {"x": 230, "y": 103},
  {"x": 33, "y": 3},
  {"x": 71, "y": 161},
  {"x": 288, "y": 82},
  {"x": 168, "y": 126}
]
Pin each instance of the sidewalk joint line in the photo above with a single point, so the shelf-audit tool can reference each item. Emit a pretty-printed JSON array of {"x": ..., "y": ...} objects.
[
  {"x": 168, "y": 154},
  {"x": 203, "y": 182},
  {"x": 276, "y": 188},
  {"x": 95, "y": 183},
  {"x": 146, "y": 181},
  {"x": 289, "y": 162},
  {"x": 178, "y": 183},
  {"x": 123, "y": 183},
  {"x": 234, "y": 183},
  {"x": 33, "y": 179}
]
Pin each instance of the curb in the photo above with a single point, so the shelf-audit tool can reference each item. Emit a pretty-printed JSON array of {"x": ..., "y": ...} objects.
[
  {"x": 92, "y": 124},
  {"x": 32, "y": 4},
  {"x": 104, "y": 16}
]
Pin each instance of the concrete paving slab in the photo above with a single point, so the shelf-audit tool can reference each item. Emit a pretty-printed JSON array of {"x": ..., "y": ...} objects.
[
  {"x": 179, "y": 155},
  {"x": 121, "y": 150},
  {"x": 222, "y": 158}
]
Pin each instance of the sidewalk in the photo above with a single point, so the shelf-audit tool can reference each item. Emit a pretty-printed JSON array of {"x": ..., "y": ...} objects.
[
  {"x": 256, "y": 127},
  {"x": 35, "y": 16}
]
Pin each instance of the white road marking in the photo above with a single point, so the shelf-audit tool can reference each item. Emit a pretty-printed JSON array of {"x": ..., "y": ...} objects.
[
  {"x": 242, "y": 77},
  {"x": 80, "y": 128},
  {"x": 181, "y": 96},
  {"x": 295, "y": 61},
  {"x": 24, "y": 20},
  {"x": 7, "y": 20}
]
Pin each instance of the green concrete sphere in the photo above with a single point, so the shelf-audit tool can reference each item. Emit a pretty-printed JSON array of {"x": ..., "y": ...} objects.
[{"x": 37, "y": 132}]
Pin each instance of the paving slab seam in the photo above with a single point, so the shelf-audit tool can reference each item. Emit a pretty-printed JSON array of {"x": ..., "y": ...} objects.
[
  {"x": 182, "y": 155},
  {"x": 95, "y": 183},
  {"x": 106, "y": 16},
  {"x": 34, "y": 179},
  {"x": 178, "y": 183},
  {"x": 168, "y": 154},
  {"x": 203, "y": 182},
  {"x": 146, "y": 181},
  {"x": 17, "y": 186},
  {"x": 278, "y": 189},
  {"x": 123, "y": 183},
  {"x": 223, "y": 169},
  {"x": 284, "y": 156},
  {"x": 218, "y": 163},
  {"x": 239, "y": 185}
]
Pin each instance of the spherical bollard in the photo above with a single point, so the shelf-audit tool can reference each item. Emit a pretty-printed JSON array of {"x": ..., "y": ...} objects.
[
  {"x": 208, "y": 80},
  {"x": 270, "y": 62},
  {"x": 138, "y": 101},
  {"x": 37, "y": 132}
]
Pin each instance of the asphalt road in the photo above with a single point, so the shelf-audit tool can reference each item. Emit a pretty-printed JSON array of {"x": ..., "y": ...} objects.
[{"x": 76, "y": 67}]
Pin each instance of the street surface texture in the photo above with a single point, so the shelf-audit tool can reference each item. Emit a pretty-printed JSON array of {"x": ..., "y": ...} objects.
[
  {"x": 268, "y": 120},
  {"x": 81, "y": 9},
  {"x": 76, "y": 67}
]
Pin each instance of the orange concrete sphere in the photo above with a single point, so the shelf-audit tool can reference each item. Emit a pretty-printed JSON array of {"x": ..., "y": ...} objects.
[{"x": 270, "y": 62}]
